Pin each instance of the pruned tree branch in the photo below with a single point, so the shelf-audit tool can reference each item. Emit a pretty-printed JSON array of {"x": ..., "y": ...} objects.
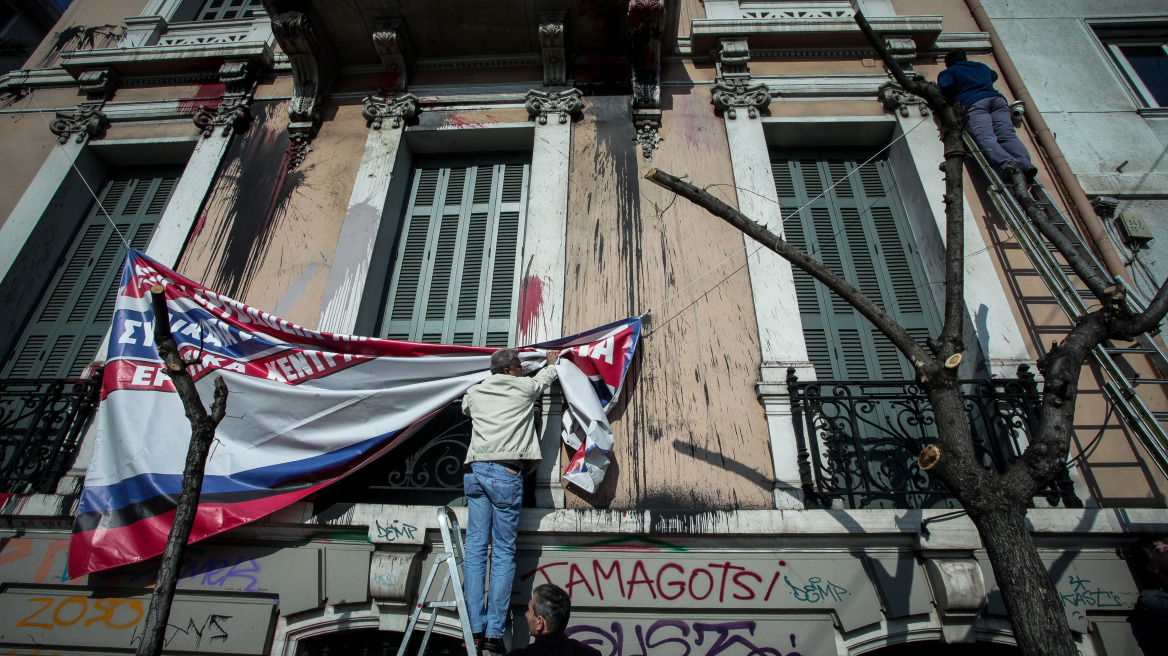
[
  {"x": 202, "y": 434},
  {"x": 922, "y": 361}
]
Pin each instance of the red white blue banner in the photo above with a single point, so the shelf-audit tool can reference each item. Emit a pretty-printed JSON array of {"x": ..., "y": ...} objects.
[{"x": 304, "y": 409}]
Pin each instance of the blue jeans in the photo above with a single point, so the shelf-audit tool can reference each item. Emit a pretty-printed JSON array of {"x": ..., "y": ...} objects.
[
  {"x": 993, "y": 131},
  {"x": 493, "y": 499}
]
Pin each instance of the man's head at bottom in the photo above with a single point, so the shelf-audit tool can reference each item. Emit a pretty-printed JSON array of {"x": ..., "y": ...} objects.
[{"x": 549, "y": 610}]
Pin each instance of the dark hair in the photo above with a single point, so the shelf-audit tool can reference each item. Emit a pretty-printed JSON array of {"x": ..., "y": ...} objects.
[
  {"x": 552, "y": 604},
  {"x": 954, "y": 56},
  {"x": 502, "y": 359},
  {"x": 1140, "y": 554}
]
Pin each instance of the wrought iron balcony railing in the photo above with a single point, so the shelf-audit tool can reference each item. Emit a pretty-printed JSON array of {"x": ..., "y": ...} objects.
[
  {"x": 858, "y": 441},
  {"x": 40, "y": 426}
]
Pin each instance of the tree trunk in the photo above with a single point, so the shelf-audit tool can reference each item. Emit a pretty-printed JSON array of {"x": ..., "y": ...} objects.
[
  {"x": 202, "y": 434},
  {"x": 1032, "y": 602}
]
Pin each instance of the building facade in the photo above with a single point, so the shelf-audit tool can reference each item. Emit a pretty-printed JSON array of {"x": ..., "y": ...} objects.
[{"x": 472, "y": 174}]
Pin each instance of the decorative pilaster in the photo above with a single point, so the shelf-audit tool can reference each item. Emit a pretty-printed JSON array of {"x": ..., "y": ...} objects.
[
  {"x": 393, "y": 49},
  {"x": 398, "y": 109},
  {"x": 551, "y": 40},
  {"x": 896, "y": 99},
  {"x": 567, "y": 105},
  {"x": 234, "y": 111},
  {"x": 646, "y": 25},
  {"x": 733, "y": 94},
  {"x": 312, "y": 72}
]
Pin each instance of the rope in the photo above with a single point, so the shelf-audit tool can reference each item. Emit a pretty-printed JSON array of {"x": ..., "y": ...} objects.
[{"x": 73, "y": 163}]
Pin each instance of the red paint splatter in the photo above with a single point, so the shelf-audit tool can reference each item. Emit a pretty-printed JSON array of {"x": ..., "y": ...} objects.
[
  {"x": 530, "y": 304},
  {"x": 207, "y": 96},
  {"x": 389, "y": 83},
  {"x": 199, "y": 225}
]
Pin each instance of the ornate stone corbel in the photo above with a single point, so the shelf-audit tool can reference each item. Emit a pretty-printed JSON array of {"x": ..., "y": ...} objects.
[
  {"x": 85, "y": 121},
  {"x": 98, "y": 84},
  {"x": 400, "y": 108},
  {"x": 646, "y": 25},
  {"x": 312, "y": 72},
  {"x": 732, "y": 59},
  {"x": 896, "y": 99},
  {"x": 904, "y": 50},
  {"x": 393, "y": 48},
  {"x": 730, "y": 95},
  {"x": 551, "y": 39},
  {"x": 236, "y": 77},
  {"x": 567, "y": 104}
]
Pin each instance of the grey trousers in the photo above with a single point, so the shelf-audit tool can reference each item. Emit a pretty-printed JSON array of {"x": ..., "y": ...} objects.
[{"x": 991, "y": 129}]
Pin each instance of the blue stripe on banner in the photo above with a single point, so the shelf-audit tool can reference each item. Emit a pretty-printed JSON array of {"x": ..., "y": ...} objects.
[
  {"x": 128, "y": 335},
  {"x": 146, "y": 486}
]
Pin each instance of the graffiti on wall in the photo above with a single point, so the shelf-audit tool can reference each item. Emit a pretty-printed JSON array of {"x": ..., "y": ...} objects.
[
  {"x": 679, "y": 638},
  {"x": 685, "y": 582},
  {"x": 198, "y": 568}
]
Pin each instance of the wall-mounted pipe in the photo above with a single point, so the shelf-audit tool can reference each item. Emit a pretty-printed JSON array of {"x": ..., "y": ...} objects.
[{"x": 1081, "y": 204}]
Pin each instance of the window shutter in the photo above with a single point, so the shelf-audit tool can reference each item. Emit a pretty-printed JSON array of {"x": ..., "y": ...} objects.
[
  {"x": 857, "y": 229},
  {"x": 72, "y": 318},
  {"x": 454, "y": 279}
]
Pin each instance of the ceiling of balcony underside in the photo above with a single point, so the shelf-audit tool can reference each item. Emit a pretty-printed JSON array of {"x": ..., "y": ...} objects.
[{"x": 443, "y": 29}]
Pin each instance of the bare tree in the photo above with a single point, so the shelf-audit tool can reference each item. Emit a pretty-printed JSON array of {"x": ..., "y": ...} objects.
[
  {"x": 996, "y": 503},
  {"x": 202, "y": 434}
]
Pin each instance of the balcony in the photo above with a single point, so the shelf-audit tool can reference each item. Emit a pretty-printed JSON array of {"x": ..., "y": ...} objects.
[
  {"x": 152, "y": 46},
  {"x": 858, "y": 440},
  {"x": 41, "y": 422}
]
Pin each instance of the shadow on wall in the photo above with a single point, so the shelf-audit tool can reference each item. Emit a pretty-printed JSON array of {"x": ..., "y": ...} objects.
[{"x": 80, "y": 37}]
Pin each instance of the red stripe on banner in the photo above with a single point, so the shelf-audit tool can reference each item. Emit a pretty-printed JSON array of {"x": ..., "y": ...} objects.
[
  {"x": 577, "y": 459},
  {"x": 136, "y": 375},
  {"x": 4, "y": 497},
  {"x": 99, "y": 549}
]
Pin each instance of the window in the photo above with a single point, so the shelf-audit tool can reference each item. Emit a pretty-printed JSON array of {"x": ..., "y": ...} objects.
[
  {"x": 1141, "y": 55},
  {"x": 858, "y": 229},
  {"x": 229, "y": 9},
  {"x": 454, "y": 277},
  {"x": 69, "y": 323}
]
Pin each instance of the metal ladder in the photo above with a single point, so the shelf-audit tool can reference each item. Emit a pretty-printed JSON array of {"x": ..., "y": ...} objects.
[
  {"x": 1119, "y": 388},
  {"x": 450, "y": 559}
]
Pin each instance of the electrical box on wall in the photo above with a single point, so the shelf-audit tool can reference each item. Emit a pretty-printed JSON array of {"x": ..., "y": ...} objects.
[{"x": 1134, "y": 227}]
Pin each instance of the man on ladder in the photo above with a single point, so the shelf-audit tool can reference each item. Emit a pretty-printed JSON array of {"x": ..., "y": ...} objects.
[
  {"x": 990, "y": 125},
  {"x": 504, "y": 447}
]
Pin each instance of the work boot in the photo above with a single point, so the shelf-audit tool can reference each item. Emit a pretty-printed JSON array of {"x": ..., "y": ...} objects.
[{"x": 492, "y": 647}]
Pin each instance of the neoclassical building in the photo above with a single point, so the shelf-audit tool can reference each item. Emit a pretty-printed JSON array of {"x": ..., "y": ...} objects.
[{"x": 471, "y": 173}]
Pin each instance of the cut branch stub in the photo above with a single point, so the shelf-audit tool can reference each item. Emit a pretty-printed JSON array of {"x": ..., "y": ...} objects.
[{"x": 929, "y": 457}]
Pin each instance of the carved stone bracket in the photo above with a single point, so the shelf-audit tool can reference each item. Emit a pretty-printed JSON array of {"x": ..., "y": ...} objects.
[
  {"x": 904, "y": 50},
  {"x": 648, "y": 123},
  {"x": 399, "y": 109},
  {"x": 86, "y": 121},
  {"x": 98, "y": 84},
  {"x": 551, "y": 39},
  {"x": 646, "y": 25},
  {"x": 732, "y": 59},
  {"x": 393, "y": 48},
  {"x": 896, "y": 99},
  {"x": 730, "y": 95},
  {"x": 567, "y": 104},
  {"x": 312, "y": 72},
  {"x": 237, "y": 77}
]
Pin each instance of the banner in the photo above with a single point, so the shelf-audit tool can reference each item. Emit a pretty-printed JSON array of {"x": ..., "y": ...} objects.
[{"x": 304, "y": 409}]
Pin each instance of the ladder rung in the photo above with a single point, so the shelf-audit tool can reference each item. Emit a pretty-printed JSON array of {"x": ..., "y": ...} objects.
[
  {"x": 1160, "y": 415},
  {"x": 1135, "y": 350},
  {"x": 440, "y": 604}
]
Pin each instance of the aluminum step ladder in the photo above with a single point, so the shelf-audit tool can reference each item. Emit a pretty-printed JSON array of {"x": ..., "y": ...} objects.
[
  {"x": 1119, "y": 387},
  {"x": 450, "y": 559}
]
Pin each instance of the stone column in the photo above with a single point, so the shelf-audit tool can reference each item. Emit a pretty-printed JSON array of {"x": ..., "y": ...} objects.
[
  {"x": 344, "y": 291},
  {"x": 780, "y": 330}
]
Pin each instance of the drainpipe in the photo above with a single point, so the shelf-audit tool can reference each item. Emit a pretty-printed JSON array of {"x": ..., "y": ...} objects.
[{"x": 1082, "y": 206}]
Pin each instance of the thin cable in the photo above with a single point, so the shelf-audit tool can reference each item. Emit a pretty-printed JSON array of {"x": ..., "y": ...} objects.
[{"x": 73, "y": 163}]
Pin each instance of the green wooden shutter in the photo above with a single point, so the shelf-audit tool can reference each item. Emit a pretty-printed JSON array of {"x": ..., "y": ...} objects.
[
  {"x": 454, "y": 279},
  {"x": 858, "y": 229},
  {"x": 67, "y": 327}
]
